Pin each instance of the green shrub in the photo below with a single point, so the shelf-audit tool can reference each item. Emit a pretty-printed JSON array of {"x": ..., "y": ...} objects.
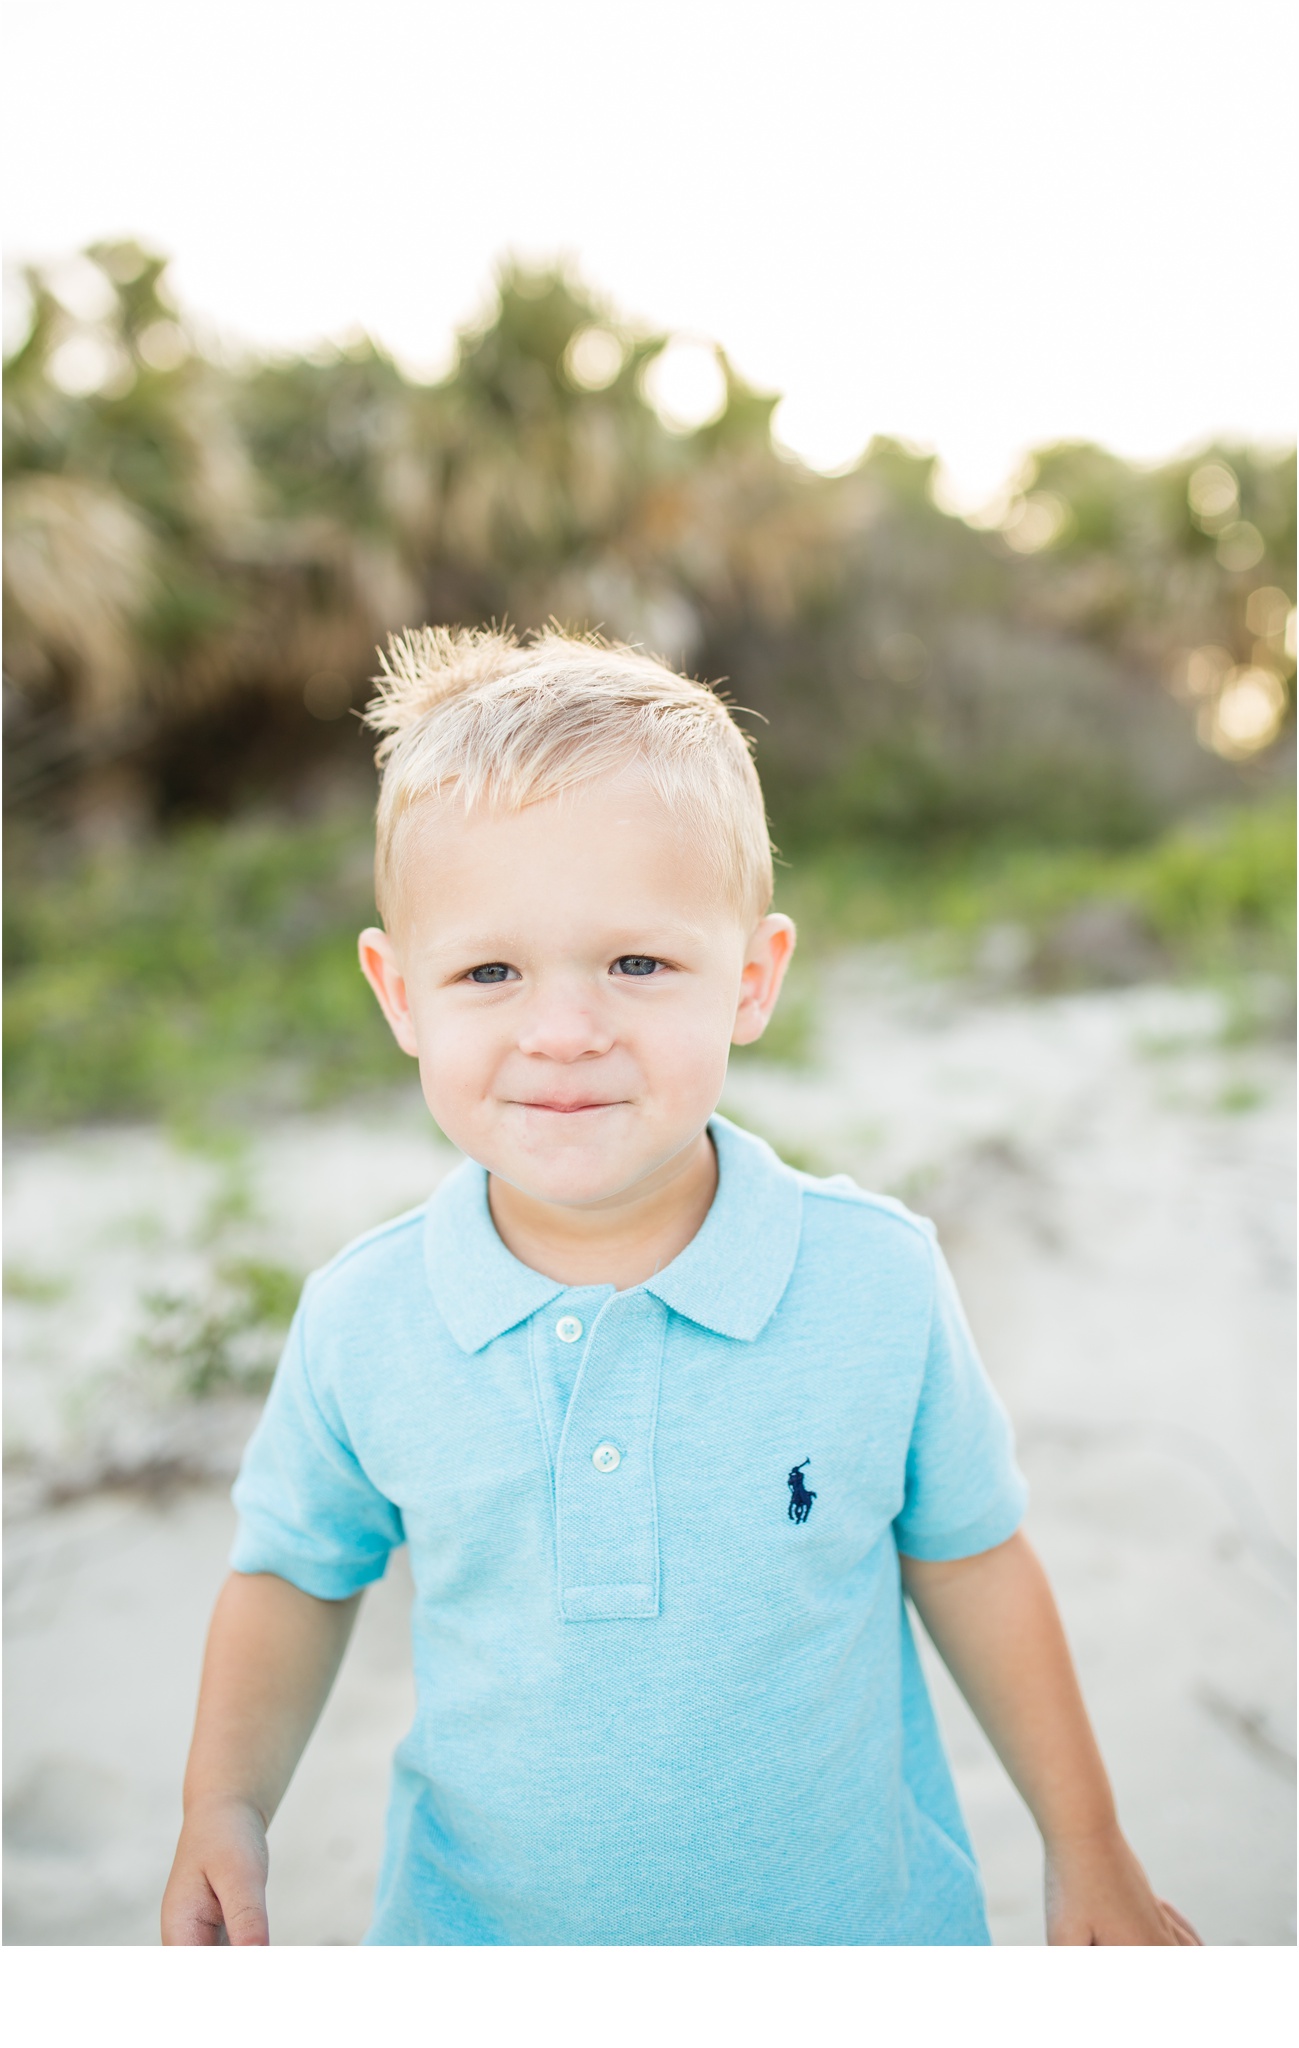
[
  {"x": 1225, "y": 892},
  {"x": 212, "y": 970},
  {"x": 228, "y": 1338}
]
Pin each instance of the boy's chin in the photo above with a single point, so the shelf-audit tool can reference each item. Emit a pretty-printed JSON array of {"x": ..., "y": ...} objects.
[
  {"x": 571, "y": 1182},
  {"x": 579, "y": 1173}
]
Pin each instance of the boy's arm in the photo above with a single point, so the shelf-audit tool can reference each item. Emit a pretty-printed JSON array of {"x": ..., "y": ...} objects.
[
  {"x": 995, "y": 1624},
  {"x": 272, "y": 1655}
]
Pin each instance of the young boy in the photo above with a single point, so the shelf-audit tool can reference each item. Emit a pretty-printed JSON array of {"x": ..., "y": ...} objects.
[{"x": 668, "y": 1427}]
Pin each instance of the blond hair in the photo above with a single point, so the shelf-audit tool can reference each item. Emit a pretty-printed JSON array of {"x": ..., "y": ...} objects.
[{"x": 477, "y": 717}]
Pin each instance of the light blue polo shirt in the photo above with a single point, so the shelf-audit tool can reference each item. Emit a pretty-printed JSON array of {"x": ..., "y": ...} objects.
[{"x": 667, "y": 1689}]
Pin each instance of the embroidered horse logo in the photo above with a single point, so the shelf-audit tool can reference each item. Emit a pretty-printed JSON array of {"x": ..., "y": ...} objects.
[{"x": 800, "y": 1500}]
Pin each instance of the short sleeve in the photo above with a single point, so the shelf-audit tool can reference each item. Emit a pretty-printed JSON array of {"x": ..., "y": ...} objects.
[
  {"x": 964, "y": 1491},
  {"x": 307, "y": 1511}
]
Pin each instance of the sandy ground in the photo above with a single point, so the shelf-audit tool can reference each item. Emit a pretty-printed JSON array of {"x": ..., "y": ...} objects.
[{"x": 1113, "y": 1177}]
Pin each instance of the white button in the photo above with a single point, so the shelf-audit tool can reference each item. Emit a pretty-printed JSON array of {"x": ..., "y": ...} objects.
[
  {"x": 568, "y": 1329},
  {"x": 606, "y": 1457}
]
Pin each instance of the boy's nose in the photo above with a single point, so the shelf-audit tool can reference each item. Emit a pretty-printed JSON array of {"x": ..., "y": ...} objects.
[{"x": 561, "y": 1027}]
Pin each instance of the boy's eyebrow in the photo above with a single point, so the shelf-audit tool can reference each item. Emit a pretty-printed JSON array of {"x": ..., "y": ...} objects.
[{"x": 484, "y": 942}]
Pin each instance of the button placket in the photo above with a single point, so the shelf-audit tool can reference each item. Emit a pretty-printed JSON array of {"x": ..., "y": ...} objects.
[
  {"x": 605, "y": 1505},
  {"x": 555, "y": 1354}
]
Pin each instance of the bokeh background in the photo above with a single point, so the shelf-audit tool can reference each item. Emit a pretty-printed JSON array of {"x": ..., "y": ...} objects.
[{"x": 985, "y": 515}]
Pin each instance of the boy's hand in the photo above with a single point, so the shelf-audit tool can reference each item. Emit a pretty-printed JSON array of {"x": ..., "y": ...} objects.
[
  {"x": 1098, "y": 1896},
  {"x": 216, "y": 1894},
  {"x": 272, "y": 1652},
  {"x": 995, "y": 1624}
]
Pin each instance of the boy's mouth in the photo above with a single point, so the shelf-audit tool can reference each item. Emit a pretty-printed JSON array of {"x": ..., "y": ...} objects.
[{"x": 568, "y": 1108}]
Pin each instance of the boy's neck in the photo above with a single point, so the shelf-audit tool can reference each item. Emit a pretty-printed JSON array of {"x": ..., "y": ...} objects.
[{"x": 621, "y": 1243}]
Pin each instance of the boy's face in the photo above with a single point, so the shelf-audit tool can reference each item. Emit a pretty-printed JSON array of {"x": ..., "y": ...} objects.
[{"x": 571, "y": 981}]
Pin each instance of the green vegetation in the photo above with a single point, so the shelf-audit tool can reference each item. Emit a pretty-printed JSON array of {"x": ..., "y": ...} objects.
[
  {"x": 218, "y": 975},
  {"x": 194, "y": 981},
  {"x": 1217, "y": 896},
  {"x": 227, "y": 1339},
  {"x": 42, "y": 1289},
  {"x": 1239, "y": 1096}
]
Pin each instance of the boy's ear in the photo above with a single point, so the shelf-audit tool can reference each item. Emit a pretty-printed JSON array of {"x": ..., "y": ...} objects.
[
  {"x": 766, "y": 957},
  {"x": 381, "y": 968}
]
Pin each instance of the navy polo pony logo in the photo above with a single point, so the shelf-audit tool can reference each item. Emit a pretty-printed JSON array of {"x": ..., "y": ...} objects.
[{"x": 800, "y": 1500}]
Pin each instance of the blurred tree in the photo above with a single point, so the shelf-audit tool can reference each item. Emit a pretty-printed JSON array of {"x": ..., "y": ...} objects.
[{"x": 202, "y": 552}]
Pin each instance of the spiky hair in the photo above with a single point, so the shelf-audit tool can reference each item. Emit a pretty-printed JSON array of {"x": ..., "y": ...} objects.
[{"x": 484, "y": 719}]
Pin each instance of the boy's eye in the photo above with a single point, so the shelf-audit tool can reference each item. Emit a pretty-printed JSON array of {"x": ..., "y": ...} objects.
[
  {"x": 635, "y": 963},
  {"x": 495, "y": 971}
]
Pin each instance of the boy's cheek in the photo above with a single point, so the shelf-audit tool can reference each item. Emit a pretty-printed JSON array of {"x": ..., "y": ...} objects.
[
  {"x": 455, "y": 1070},
  {"x": 691, "y": 1056},
  {"x": 454, "y": 1082}
]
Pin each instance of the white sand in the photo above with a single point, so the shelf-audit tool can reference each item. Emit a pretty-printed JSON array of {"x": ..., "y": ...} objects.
[{"x": 1114, "y": 1185}]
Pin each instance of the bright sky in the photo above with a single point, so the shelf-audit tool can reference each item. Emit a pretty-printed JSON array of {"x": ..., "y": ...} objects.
[{"x": 978, "y": 226}]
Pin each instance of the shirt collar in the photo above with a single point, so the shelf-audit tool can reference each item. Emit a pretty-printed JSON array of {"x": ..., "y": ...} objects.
[{"x": 729, "y": 1278}]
